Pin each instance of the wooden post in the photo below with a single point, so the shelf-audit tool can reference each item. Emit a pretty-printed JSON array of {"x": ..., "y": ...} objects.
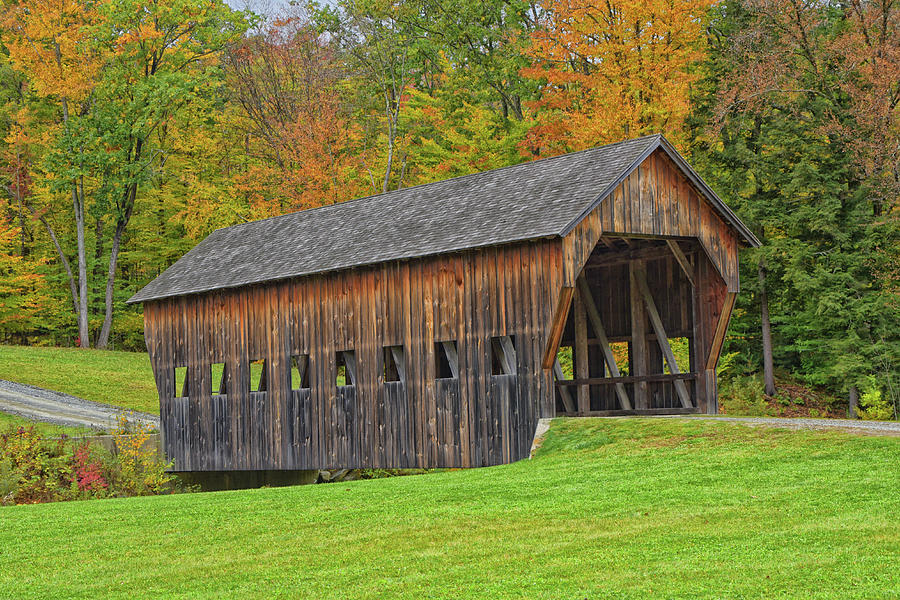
[
  {"x": 721, "y": 327},
  {"x": 662, "y": 338},
  {"x": 712, "y": 392},
  {"x": 581, "y": 354},
  {"x": 560, "y": 314},
  {"x": 638, "y": 338},
  {"x": 600, "y": 331}
]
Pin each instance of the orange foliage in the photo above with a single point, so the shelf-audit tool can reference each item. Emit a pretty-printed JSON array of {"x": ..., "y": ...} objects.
[
  {"x": 614, "y": 70},
  {"x": 50, "y": 40},
  {"x": 310, "y": 151},
  {"x": 319, "y": 162}
]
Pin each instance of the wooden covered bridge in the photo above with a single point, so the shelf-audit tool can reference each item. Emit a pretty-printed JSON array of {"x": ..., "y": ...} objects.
[{"x": 422, "y": 327}]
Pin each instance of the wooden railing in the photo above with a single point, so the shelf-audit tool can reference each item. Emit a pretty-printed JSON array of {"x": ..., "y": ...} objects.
[{"x": 660, "y": 378}]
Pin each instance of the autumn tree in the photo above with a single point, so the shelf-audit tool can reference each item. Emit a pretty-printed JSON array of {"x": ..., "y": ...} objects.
[
  {"x": 24, "y": 301},
  {"x": 615, "y": 70},
  {"x": 288, "y": 84},
  {"x": 114, "y": 74}
]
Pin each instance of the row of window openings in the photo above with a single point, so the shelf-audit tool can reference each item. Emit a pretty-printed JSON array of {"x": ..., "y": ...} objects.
[{"x": 503, "y": 362}]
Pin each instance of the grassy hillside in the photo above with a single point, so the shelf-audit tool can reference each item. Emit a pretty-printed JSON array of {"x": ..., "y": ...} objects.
[
  {"x": 609, "y": 509},
  {"x": 119, "y": 378},
  {"x": 46, "y": 429}
]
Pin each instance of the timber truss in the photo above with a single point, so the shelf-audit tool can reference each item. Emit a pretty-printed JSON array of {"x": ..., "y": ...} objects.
[{"x": 636, "y": 338}]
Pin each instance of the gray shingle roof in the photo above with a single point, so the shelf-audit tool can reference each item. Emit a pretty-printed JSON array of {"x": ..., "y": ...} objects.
[{"x": 531, "y": 200}]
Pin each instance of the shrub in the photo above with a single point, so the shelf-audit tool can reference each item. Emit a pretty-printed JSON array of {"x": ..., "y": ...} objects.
[
  {"x": 873, "y": 406},
  {"x": 41, "y": 470},
  {"x": 89, "y": 472},
  {"x": 743, "y": 396},
  {"x": 137, "y": 469},
  {"x": 37, "y": 469}
]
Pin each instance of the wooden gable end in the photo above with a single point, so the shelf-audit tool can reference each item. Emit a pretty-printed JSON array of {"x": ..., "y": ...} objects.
[{"x": 656, "y": 199}]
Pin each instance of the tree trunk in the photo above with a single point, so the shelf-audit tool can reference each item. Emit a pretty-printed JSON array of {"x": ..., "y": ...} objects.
[
  {"x": 103, "y": 340},
  {"x": 390, "y": 149},
  {"x": 854, "y": 402},
  {"x": 73, "y": 289},
  {"x": 78, "y": 202},
  {"x": 121, "y": 224},
  {"x": 768, "y": 363}
]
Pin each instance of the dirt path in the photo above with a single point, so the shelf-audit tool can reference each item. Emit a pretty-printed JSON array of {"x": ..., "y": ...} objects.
[
  {"x": 61, "y": 409},
  {"x": 891, "y": 428}
]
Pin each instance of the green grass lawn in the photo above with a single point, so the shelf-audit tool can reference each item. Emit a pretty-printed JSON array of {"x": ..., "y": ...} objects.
[
  {"x": 610, "y": 508},
  {"x": 119, "y": 378},
  {"x": 46, "y": 429}
]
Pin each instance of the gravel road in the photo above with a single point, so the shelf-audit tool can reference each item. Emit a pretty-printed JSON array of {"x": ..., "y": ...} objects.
[
  {"x": 891, "y": 428},
  {"x": 61, "y": 409}
]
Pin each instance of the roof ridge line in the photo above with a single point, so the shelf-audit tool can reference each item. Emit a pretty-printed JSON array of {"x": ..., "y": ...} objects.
[{"x": 430, "y": 183}]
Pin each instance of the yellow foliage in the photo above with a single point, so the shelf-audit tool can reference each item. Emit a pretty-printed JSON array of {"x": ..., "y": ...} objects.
[
  {"x": 614, "y": 70},
  {"x": 140, "y": 469},
  {"x": 49, "y": 40}
]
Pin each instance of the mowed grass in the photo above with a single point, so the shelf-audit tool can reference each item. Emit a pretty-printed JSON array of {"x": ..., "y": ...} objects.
[
  {"x": 610, "y": 508},
  {"x": 120, "y": 378}
]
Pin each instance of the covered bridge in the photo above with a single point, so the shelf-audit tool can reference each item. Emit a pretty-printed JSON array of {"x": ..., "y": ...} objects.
[{"x": 422, "y": 327}]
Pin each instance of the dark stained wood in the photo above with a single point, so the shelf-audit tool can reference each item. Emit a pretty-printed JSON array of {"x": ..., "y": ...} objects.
[
  {"x": 638, "y": 349},
  {"x": 566, "y": 396},
  {"x": 628, "y": 379},
  {"x": 581, "y": 354},
  {"x": 682, "y": 260}
]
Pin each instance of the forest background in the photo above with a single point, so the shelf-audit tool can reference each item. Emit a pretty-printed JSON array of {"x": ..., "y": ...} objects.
[{"x": 131, "y": 129}]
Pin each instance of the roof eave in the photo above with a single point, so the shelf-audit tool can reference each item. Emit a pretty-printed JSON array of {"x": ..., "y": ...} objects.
[{"x": 136, "y": 297}]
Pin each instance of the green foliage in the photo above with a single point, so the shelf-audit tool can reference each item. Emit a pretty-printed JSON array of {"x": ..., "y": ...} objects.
[
  {"x": 566, "y": 362},
  {"x": 744, "y": 396},
  {"x": 826, "y": 246},
  {"x": 873, "y": 405},
  {"x": 713, "y": 510}
]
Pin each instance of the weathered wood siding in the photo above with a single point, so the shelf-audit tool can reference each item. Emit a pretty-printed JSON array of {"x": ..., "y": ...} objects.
[
  {"x": 657, "y": 200},
  {"x": 468, "y": 298}
]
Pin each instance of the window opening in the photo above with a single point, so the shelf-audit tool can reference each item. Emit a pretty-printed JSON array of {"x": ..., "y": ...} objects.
[
  {"x": 346, "y": 367},
  {"x": 180, "y": 382},
  {"x": 300, "y": 372},
  {"x": 218, "y": 378},
  {"x": 446, "y": 360},
  {"x": 394, "y": 364},
  {"x": 503, "y": 355}
]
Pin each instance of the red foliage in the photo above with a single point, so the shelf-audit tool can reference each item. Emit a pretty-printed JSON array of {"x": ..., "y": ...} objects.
[{"x": 88, "y": 474}]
